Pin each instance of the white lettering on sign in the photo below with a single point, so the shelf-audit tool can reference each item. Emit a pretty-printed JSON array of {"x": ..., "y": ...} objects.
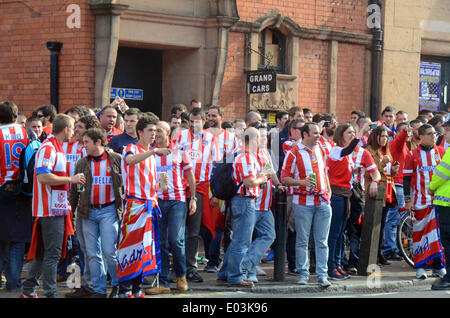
[
  {"x": 260, "y": 89},
  {"x": 260, "y": 78}
]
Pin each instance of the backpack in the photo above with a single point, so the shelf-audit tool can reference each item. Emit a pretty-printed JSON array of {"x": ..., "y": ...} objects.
[
  {"x": 221, "y": 182},
  {"x": 26, "y": 167}
]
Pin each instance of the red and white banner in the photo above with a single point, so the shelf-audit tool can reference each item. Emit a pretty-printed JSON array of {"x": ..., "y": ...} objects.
[{"x": 426, "y": 241}]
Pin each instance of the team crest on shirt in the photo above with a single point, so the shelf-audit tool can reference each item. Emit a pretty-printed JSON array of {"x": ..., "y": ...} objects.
[
  {"x": 313, "y": 157},
  {"x": 108, "y": 168},
  {"x": 436, "y": 156},
  {"x": 45, "y": 162},
  {"x": 205, "y": 142},
  {"x": 61, "y": 197}
]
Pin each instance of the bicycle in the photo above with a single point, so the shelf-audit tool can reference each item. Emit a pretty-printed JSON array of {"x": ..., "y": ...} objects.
[{"x": 405, "y": 238}]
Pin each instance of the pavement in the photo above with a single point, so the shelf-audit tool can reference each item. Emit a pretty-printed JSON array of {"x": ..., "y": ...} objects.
[
  {"x": 388, "y": 278},
  {"x": 396, "y": 276}
]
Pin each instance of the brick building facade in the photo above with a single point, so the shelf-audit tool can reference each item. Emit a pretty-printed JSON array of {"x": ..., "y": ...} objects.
[
  {"x": 25, "y": 28},
  {"x": 178, "y": 50}
]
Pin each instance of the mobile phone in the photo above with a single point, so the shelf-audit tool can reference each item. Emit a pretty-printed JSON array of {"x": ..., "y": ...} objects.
[{"x": 373, "y": 126}]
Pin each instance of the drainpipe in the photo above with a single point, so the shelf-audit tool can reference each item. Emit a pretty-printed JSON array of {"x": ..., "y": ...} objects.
[
  {"x": 377, "y": 48},
  {"x": 55, "y": 49}
]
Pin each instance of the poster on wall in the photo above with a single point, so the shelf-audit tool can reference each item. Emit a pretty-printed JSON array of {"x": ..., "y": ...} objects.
[{"x": 430, "y": 88}]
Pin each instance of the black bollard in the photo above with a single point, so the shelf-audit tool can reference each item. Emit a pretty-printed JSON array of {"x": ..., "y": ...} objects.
[
  {"x": 370, "y": 233},
  {"x": 280, "y": 236}
]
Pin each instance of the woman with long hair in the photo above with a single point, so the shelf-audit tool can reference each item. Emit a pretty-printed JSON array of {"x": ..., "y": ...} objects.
[
  {"x": 378, "y": 147},
  {"x": 340, "y": 173}
]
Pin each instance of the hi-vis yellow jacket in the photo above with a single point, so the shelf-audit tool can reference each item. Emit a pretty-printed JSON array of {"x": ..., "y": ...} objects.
[{"x": 440, "y": 182}]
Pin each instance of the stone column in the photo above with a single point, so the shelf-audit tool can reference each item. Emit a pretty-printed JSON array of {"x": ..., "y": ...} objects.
[{"x": 107, "y": 19}]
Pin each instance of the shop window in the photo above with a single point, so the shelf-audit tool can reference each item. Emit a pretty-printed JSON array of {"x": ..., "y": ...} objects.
[{"x": 272, "y": 50}]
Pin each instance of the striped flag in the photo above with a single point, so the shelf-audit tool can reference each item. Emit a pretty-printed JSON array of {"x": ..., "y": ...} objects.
[
  {"x": 426, "y": 241},
  {"x": 138, "y": 250}
]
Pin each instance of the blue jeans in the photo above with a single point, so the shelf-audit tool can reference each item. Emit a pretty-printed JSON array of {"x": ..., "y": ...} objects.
[
  {"x": 100, "y": 232},
  {"x": 337, "y": 228},
  {"x": 12, "y": 255},
  {"x": 392, "y": 220},
  {"x": 172, "y": 227},
  {"x": 265, "y": 226},
  {"x": 242, "y": 224},
  {"x": 316, "y": 219}
]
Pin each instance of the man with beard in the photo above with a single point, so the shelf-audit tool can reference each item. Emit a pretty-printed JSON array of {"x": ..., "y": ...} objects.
[{"x": 328, "y": 128}]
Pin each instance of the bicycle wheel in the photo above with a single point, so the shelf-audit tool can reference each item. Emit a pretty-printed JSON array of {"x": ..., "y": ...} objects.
[{"x": 405, "y": 239}]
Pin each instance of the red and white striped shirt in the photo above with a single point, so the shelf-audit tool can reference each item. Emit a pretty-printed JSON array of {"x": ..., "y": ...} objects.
[
  {"x": 50, "y": 200},
  {"x": 114, "y": 132},
  {"x": 102, "y": 191},
  {"x": 287, "y": 146},
  {"x": 299, "y": 163},
  {"x": 264, "y": 200},
  {"x": 326, "y": 145},
  {"x": 139, "y": 180},
  {"x": 420, "y": 164},
  {"x": 175, "y": 165},
  {"x": 362, "y": 158},
  {"x": 13, "y": 139},
  {"x": 226, "y": 141},
  {"x": 340, "y": 169},
  {"x": 74, "y": 151},
  {"x": 246, "y": 165},
  {"x": 203, "y": 151}
]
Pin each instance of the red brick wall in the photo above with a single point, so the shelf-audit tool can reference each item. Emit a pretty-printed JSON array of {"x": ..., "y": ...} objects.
[
  {"x": 350, "y": 80},
  {"x": 25, "y": 59},
  {"x": 233, "y": 96},
  {"x": 313, "y": 75},
  {"x": 339, "y": 15}
]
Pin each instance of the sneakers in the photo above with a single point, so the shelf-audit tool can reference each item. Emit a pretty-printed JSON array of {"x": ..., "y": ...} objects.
[
  {"x": 81, "y": 292},
  {"x": 26, "y": 296},
  {"x": 269, "y": 258},
  {"x": 343, "y": 273},
  {"x": 335, "y": 275},
  {"x": 421, "y": 274},
  {"x": 139, "y": 294},
  {"x": 382, "y": 261},
  {"x": 182, "y": 284},
  {"x": 211, "y": 269},
  {"x": 442, "y": 285},
  {"x": 194, "y": 277},
  {"x": 439, "y": 272},
  {"x": 243, "y": 284},
  {"x": 394, "y": 257},
  {"x": 157, "y": 290},
  {"x": 293, "y": 272},
  {"x": 260, "y": 271},
  {"x": 302, "y": 280},
  {"x": 252, "y": 279},
  {"x": 323, "y": 282},
  {"x": 352, "y": 271}
]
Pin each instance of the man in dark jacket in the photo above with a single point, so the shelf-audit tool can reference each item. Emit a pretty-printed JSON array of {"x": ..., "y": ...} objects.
[{"x": 100, "y": 207}]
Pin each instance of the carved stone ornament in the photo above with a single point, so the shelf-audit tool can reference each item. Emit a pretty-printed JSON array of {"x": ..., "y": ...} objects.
[{"x": 282, "y": 99}]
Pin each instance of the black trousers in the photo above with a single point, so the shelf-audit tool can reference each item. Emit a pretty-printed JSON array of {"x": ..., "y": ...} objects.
[{"x": 444, "y": 232}]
